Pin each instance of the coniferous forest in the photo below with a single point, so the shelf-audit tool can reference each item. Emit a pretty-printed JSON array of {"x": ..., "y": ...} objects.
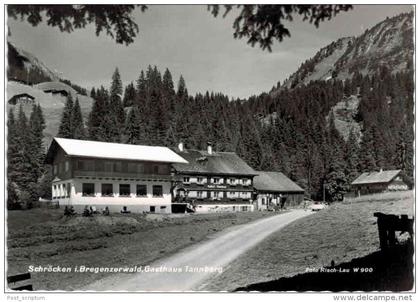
[{"x": 292, "y": 131}]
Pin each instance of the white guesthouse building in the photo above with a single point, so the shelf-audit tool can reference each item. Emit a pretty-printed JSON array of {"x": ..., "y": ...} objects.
[{"x": 89, "y": 173}]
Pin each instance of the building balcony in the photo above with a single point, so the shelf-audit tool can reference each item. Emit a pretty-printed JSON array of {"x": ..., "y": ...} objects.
[{"x": 121, "y": 175}]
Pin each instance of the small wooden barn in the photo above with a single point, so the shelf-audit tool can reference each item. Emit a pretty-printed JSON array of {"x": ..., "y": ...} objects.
[
  {"x": 272, "y": 187},
  {"x": 21, "y": 98},
  {"x": 378, "y": 182}
]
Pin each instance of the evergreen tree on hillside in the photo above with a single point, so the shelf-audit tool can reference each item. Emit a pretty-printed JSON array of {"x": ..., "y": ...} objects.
[
  {"x": 12, "y": 161},
  {"x": 313, "y": 166},
  {"x": 129, "y": 95},
  {"x": 403, "y": 158},
  {"x": 351, "y": 157},
  {"x": 132, "y": 131},
  {"x": 336, "y": 183},
  {"x": 167, "y": 83},
  {"x": 157, "y": 122},
  {"x": 78, "y": 128},
  {"x": 96, "y": 120},
  {"x": 141, "y": 89},
  {"x": 37, "y": 126},
  {"x": 35, "y": 151},
  {"x": 250, "y": 144},
  {"x": 44, "y": 184},
  {"x": 11, "y": 136},
  {"x": 367, "y": 161},
  {"x": 93, "y": 93},
  {"x": 292, "y": 131},
  {"x": 335, "y": 179},
  {"x": 167, "y": 107},
  {"x": 116, "y": 116},
  {"x": 116, "y": 84},
  {"x": 168, "y": 91},
  {"x": 17, "y": 128},
  {"x": 65, "y": 129},
  {"x": 21, "y": 173},
  {"x": 182, "y": 91}
]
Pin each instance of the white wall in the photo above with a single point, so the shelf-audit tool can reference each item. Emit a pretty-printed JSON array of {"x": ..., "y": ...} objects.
[{"x": 117, "y": 202}]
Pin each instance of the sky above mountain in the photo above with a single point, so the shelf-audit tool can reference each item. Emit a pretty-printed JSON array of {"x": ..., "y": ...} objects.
[{"x": 190, "y": 41}]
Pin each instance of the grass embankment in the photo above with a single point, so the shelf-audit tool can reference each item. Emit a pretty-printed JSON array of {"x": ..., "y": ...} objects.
[
  {"x": 340, "y": 233},
  {"x": 44, "y": 237}
]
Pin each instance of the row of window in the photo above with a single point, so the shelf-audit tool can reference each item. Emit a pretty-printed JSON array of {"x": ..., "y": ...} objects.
[
  {"x": 111, "y": 166},
  {"x": 217, "y": 180},
  {"x": 107, "y": 190},
  {"x": 218, "y": 194}
]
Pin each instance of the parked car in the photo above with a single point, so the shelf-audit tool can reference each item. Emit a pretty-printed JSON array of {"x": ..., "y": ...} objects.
[{"x": 318, "y": 206}]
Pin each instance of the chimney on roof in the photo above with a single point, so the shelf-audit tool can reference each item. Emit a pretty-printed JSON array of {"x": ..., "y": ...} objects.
[
  {"x": 181, "y": 146},
  {"x": 209, "y": 148}
]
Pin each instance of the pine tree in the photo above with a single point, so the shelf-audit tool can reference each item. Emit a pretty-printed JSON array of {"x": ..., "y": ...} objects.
[
  {"x": 129, "y": 95},
  {"x": 78, "y": 128},
  {"x": 11, "y": 137},
  {"x": 116, "y": 84},
  {"x": 37, "y": 126},
  {"x": 141, "y": 89},
  {"x": 21, "y": 173},
  {"x": 35, "y": 152},
  {"x": 182, "y": 91},
  {"x": 12, "y": 161},
  {"x": 116, "y": 116},
  {"x": 65, "y": 128},
  {"x": 367, "y": 161},
  {"x": 335, "y": 179},
  {"x": 351, "y": 157},
  {"x": 44, "y": 184},
  {"x": 167, "y": 83},
  {"x": 132, "y": 128},
  {"x": 167, "y": 107},
  {"x": 96, "y": 119},
  {"x": 93, "y": 93}
]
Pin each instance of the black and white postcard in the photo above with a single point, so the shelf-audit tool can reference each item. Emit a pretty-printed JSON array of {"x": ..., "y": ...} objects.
[{"x": 209, "y": 148}]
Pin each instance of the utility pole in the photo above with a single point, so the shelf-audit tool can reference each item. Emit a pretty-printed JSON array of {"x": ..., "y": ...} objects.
[{"x": 323, "y": 192}]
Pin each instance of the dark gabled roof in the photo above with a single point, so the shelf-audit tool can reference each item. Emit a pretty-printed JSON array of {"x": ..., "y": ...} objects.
[
  {"x": 56, "y": 87},
  {"x": 14, "y": 98},
  {"x": 376, "y": 177},
  {"x": 275, "y": 182},
  {"x": 223, "y": 163}
]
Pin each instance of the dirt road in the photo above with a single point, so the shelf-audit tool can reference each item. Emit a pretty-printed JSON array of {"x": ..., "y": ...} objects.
[{"x": 190, "y": 268}]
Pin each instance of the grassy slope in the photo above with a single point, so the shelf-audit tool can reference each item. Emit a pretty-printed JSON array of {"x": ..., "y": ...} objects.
[
  {"x": 340, "y": 233},
  {"x": 52, "y": 105},
  {"x": 44, "y": 237}
]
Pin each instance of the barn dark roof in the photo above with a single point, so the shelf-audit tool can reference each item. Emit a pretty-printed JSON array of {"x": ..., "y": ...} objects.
[
  {"x": 275, "y": 182},
  {"x": 56, "y": 86},
  {"x": 376, "y": 177},
  {"x": 13, "y": 99},
  {"x": 223, "y": 163}
]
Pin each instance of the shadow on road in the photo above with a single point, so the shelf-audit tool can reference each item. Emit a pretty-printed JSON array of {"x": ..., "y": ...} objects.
[{"x": 392, "y": 271}]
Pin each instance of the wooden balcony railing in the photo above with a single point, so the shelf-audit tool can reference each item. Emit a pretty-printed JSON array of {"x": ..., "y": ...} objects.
[{"x": 122, "y": 175}]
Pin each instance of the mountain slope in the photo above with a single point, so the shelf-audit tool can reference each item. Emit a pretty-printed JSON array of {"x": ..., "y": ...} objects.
[
  {"x": 344, "y": 117},
  {"x": 52, "y": 105},
  {"x": 24, "y": 67},
  {"x": 388, "y": 44}
]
